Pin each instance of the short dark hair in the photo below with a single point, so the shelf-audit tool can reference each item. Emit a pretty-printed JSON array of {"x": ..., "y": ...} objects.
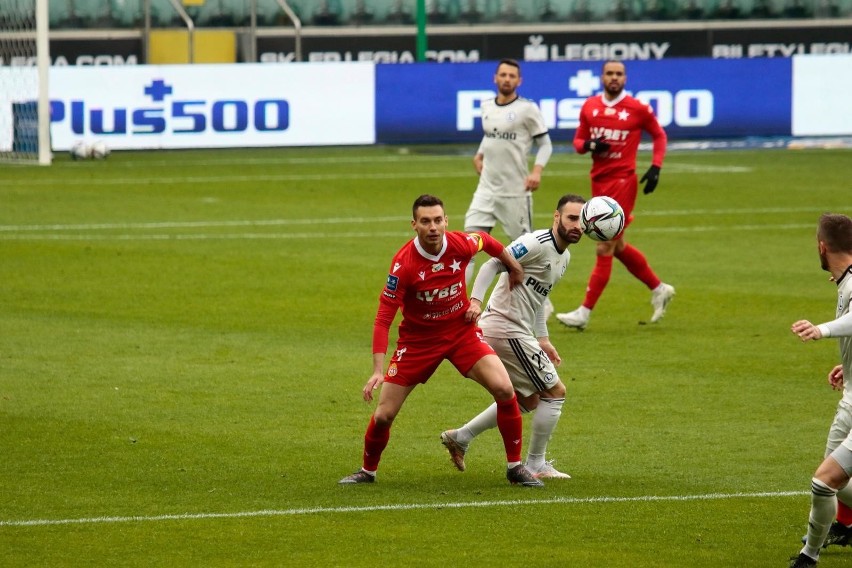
[
  {"x": 608, "y": 61},
  {"x": 425, "y": 200},
  {"x": 508, "y": 61},
  {"x": 835, "y": 230},
  {"x": 569, "y": 198}
]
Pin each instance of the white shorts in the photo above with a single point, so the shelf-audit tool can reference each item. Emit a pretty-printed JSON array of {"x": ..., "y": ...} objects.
[
  {"x": 513, "y": 213},
  {"x": 839, "y": 441},
  {"x": 529, "y": 368}
]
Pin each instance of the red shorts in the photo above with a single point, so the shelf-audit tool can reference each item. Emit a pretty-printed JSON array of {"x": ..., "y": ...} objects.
[
  {"x": 623, "y": 190},
  {"x": 416, "y": 358}
]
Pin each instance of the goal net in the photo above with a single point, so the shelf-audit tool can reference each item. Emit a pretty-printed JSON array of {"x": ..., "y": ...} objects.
[{"x": 24, "y": 64}]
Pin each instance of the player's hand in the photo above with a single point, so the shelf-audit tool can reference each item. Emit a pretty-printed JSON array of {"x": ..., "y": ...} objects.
[
  {"x": 550, "y": 351},
  {"x": 835, "y": 378},
  {"x": 652, "y": 177},
  {"x": 473, "y": 311},
  {"x": 373, "y": 383},
  {"x": 806, "y": 330},
  {"x": 532, "y": 182},
  {"x": 596, "y": 145}
]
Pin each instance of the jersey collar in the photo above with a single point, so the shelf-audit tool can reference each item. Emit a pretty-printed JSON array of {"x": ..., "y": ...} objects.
[
  {"x": 612, "y": 103},
  {"x": 846, "y": 273},
  {"x": 553, "y": 240},
  {"x": 427, "y": 255}
]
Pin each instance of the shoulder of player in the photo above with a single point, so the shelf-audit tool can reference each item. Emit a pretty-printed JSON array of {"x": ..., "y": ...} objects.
[
  {"x": 529, "y": 244},
  {"x": 634, "y": 103}
]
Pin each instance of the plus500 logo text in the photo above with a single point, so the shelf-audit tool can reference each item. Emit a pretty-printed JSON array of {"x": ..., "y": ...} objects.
[
  {"x": 175, "y": 116},
  {"x": 690, "y": 108}
]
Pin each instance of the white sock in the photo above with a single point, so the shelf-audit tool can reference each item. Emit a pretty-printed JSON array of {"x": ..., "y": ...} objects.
[
  {"x": 584, "y": 311},
  {"x": 543, "y": 424},
  {"x": 483, "y": 421},
  {"x": 823, "y": 511}
]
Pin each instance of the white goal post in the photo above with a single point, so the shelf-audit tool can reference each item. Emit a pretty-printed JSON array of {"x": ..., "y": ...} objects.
[{"x": 24, "y": 67}]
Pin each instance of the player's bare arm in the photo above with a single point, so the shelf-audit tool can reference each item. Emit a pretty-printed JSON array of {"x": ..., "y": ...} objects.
[
  {"x": 477, "y": 162},
  {"x": 377, "y": 378}
]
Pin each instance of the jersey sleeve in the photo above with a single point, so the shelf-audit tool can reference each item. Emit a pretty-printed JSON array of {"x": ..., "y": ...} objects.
[
  {"x": 841, "y": 327},
  {"x": 490, "y": 245},
  {"x": 658, "y": 137},
  {"x": 582, "y": 133},
  {"x": 390, "y": 300},
  {"x": 535, "y": 122}
]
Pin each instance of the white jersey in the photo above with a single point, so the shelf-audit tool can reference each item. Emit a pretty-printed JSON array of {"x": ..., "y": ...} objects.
[
  {"x": 516, "y": 313},
  {"x": 841, "y": 328},
  {"x": 509, "y": 131}
]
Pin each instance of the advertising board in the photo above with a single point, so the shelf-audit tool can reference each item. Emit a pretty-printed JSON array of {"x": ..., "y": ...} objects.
[{"x": 213, "y": 106}]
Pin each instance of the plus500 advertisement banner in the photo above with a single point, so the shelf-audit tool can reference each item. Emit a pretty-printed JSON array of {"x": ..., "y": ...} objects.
[
  {"x": 693, "y": 98},
  {"x": 212, "y": 106}
]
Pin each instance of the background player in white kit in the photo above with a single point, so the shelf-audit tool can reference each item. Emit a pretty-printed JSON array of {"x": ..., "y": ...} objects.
[
  {"x": 510, "y": 124},
  {"x": 515, "y": 326},
  {"x": 831, "y": 479}
]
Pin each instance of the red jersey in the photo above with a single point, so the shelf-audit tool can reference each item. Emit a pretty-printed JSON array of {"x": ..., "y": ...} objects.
[
  {"x": 621, "y": 123},
  {"x": 430, "y": 289}
]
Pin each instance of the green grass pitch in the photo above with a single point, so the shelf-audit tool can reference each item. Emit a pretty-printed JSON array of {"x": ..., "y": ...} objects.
[{"x": 184, "y": 337}]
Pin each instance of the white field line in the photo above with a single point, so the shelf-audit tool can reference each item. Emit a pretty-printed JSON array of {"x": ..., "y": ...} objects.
[
  {"x": 352, "y": 235},
  {"x": 364, "y": 220},
  {"x": 406, "y": 507},
  {"x": 226, "y": 178}
]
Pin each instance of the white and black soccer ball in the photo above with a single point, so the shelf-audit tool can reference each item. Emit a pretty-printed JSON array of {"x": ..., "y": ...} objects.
[
  {"x": 99, "y": 150},
  {"x": 80, "y": 151},
  {"x": 602, "y": 218}
]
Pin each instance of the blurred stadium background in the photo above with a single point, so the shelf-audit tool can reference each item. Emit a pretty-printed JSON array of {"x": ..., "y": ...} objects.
[{"x": 94, "y": 14}]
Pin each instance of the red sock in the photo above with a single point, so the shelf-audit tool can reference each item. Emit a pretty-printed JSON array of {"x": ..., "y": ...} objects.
[
  {"x": 638, "y": 266},
  {"x": 844, "y": 514},
  {"x": 511, "y": 427},
  {"x": 598, "y": 280},
  {"x": 375, "y": 442}
]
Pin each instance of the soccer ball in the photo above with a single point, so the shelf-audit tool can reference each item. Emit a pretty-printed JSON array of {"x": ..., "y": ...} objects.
[
  {"x": 602, "y": 218},
  {"x": 99, "y": 150},
  {"x": 80, "y": 151}
]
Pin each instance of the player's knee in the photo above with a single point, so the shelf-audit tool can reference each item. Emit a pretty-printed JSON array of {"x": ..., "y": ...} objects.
[
  {"x": 502, "y": 392},
  {"x": 556, "y": 391},
  {"x": 383, "y": 417}
]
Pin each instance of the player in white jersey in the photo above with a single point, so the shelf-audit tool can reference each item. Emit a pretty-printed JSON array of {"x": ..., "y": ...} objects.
[
  {"x": 510, "y": 125},
  {"x": 514, "y": 325},
  {"x": 831, "y": 480}
]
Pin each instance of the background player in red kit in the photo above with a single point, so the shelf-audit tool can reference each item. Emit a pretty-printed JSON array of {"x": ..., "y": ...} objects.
[
  {"x": 427, "y": 281},
  {"x": 611, "y": 126}
]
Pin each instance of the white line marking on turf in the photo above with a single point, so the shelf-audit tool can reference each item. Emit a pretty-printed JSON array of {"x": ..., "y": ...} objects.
[
  {"x": 406, "y": 507},
  {"x": 197, "y": 224},
  {"x": 353, "y": 235},
  {"x": 360, "y": 220},
  {"x": 225, "y": 178}
]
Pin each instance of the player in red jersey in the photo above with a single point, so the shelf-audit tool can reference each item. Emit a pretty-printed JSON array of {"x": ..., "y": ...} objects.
[
  {"x": 427, "y": 281},
  {"x": 611, "y": 126}
]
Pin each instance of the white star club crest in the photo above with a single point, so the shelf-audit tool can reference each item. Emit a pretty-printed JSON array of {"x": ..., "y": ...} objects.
[
  {"x": 623, "y": 115},
  {"x": 456, "y": 266}
]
